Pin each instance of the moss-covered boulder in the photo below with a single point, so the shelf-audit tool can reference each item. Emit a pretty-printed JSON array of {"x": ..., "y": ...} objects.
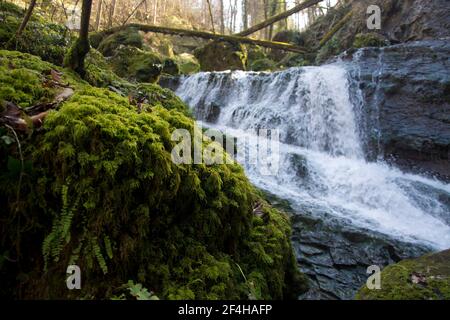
[
  {"x": 125, "y": 37},
  {"x": 99, "y": 73},
  {"x": 187, "y": 63},
  {"x": 136, "y": 65},
  {"x": 220, "y": 56},
  {"x": 99, "y": 190},
  {"x": 40, "y": 37},
  {"x": 424, "y": 278}
]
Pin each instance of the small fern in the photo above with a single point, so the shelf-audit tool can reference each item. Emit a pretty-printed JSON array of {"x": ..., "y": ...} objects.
[
  {"x": 98, "y": 255},
  {"x": 108, "y": 247},
  {"x": 60, "y": 233}
]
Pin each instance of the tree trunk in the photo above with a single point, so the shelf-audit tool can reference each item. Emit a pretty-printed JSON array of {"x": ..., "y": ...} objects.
[
  {"x": 99, "y": 15},
  {"x": 211, "y": 16},
  {"x": 208, "y": 35},
  {"x": 278, "y": 17},
  {"x": 245, "y": 14},
  {"x": 77, "y": 53},
  {"x": 222, "y": 18},
  {"x": 112, "y": 10},
  {"x": 26, "y": 18},
  {"x": 266, "y": 16},
  {"x": 273, "y": 11},
  {"x": 155, "y": 9}
]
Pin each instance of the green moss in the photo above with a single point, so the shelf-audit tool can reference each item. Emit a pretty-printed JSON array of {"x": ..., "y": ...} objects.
[
  {"x": 255, "y": 53},
  {"x": 11, "y": 8},
  {"x": 100, "y": 74},
  {"x": 23, "y": 75},
  {"x": 136, "y": 65},
  {"x": 40, "y": 37},
  {"x": 219, "y": 56},
  {"x": 102, "y": 192},
  {"x": 154, "y": 95},
  {"x": 263, "y": 65},
  {"x": 126, "y": 37},
  {"x": 372, "y": 39},
  {"x": 397, "y": 281},
  {"x": 187, "y": 63}
]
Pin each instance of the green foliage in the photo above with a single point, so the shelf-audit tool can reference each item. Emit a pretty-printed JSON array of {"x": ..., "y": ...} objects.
[
  {"x": 262, "y": 65},
  {"x": 103, "y": 193},
  {"x": 40, "y": 37},
  {"x": 255, "y": 53},
  {"x": 139, "y": 292},
  {"x": 109, "y": 44},
  {"x": 59, "y": 235},
  {"x": 331, "y": 48},
  {"x": 11, "y": 8}
]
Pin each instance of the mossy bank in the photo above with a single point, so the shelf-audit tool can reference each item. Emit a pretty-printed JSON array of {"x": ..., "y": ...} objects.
[
  {"x": 95, "y": 186},
  {"x": 424, "y": 278}
]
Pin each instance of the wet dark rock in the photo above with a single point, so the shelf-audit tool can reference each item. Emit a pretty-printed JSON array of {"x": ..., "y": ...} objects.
[
  {"x": 406, "y": 94},
  {"x": 335, "y": 255},
  {"x": 169, "y": 82},
  {"x": 208, "y": 112}
]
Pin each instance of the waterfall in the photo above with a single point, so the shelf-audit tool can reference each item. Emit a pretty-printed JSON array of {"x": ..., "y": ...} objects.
[{"x": 323, "y": 169}]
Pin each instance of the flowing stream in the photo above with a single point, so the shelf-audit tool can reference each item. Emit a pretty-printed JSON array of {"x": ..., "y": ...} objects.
[{"x": 322, "y": 164}]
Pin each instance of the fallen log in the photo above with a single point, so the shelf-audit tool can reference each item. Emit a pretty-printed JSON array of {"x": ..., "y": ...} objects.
[
  {"x": 208, "y": 36},
  {"x": 278, "y": 17},
  {"x": 335, "y": 29}
]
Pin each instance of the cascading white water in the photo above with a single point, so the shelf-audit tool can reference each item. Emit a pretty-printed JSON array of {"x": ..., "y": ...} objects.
[{"x": 322, "y": 166}]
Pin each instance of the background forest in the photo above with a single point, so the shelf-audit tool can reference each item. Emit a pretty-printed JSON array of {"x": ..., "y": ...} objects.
[{"x": 228, "y": 16}]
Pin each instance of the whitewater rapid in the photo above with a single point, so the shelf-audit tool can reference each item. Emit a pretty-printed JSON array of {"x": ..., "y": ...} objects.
[{"x": 322, "y": 168}]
